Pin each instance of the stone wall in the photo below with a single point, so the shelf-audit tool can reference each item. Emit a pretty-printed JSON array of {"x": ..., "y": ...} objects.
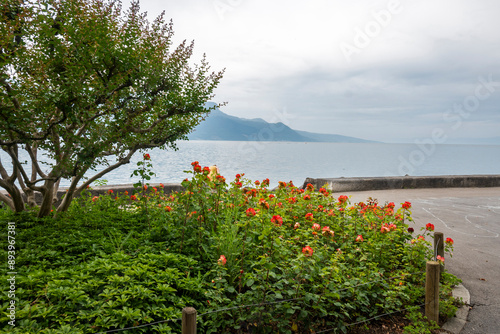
[{"x": 404, "y": 182}]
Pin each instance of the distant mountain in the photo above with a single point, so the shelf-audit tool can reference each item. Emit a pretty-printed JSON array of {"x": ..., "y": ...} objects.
[
  {"x": 331, "y": 138},
  {"x": 475, "y": 141},
  {"x": 220, "y": 126}
]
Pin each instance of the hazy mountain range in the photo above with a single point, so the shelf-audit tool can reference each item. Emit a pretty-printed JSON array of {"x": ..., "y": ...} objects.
[
  {"x": 220, "y": 126},
  {"x": 475, "y": 141}
]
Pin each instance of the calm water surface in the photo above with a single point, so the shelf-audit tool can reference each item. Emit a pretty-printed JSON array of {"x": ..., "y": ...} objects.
[
  {"x": 285, "y": 161},
  {"x": 292, "y": 161}
]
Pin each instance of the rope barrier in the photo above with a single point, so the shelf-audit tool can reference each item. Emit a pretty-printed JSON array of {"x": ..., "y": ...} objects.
[
  {"x": 250, "y": 305},
  {"x": 367, "y": 320},
  {"x": 275, "y": 302},
  {"x": 139, "y": 326}
]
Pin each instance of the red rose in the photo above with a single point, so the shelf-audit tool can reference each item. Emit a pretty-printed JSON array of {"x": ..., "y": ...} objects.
[
  {"x": 277, "y": 220},
  {"x": 308, "y": 251},
  {"x": 265, "y": 182},
  {"x": 222, "y": 260},
  {"x": 343, "y": 199},
  {"x": 250, "y": 212}
]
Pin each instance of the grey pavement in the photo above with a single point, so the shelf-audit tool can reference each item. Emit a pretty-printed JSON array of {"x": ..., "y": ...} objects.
[{"x": 471, "y": 217}]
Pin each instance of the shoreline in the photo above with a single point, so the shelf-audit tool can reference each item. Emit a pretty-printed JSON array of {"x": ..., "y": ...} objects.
[
  {"x": 344, "y": 184},
  {"x": 334, "y": 185}
]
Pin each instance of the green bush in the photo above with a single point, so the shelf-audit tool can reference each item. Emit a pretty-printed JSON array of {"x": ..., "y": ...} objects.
[{"x": 301, "y": 259}]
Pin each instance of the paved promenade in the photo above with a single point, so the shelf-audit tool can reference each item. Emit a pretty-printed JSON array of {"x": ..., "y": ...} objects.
[{"x": 471, "y": 217}]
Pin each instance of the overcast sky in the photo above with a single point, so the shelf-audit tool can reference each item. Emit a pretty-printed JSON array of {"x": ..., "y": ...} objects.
[{"x": 393, "y": 71}]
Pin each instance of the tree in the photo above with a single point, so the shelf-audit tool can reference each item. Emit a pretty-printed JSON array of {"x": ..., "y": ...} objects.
[{"x": 88, "y": 84}]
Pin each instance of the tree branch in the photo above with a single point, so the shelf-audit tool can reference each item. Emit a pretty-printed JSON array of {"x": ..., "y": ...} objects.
[
  {"x": 7, "y": 200},
  {"x": 3, "y": 172},
  {"x": 35, "y": 165},
  {"x": 98, "y": 101},
  {"x": 18, "y": 167},
  {"x": 121, "y": 161},
  {"x": 10, "y": 93},
  {"x": 25, "y": 136}
]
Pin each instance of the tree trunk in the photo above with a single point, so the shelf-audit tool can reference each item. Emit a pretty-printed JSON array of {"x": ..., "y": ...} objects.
[
  {"x": 18, "y": 199},
  {"x": 47, "y": 201},
  {"x": 15, "y": 202},
  {"x": 30, "y": 195},
  {"x": 68, "y": 197},
  {"x": 54, "y": 192}
]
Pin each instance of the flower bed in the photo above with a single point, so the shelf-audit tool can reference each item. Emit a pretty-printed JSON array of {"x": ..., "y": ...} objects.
[{"x": 276, "y": 260}]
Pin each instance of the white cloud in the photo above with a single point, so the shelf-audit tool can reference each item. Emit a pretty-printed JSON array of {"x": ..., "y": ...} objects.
[{"x": 418, "y": 61}]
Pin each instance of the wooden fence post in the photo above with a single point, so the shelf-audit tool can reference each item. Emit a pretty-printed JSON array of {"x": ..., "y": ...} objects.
[
  {"x": 188, "y": 320},
  {"x": 439, "y": 247},
  {"x": 433, "y": 269}
]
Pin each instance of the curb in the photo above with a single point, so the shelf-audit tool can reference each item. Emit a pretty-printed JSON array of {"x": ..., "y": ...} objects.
[{"x": 456, "y": 324}]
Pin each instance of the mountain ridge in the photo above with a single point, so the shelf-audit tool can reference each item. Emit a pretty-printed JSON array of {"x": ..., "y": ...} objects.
[{"x": 221, "y": 126}]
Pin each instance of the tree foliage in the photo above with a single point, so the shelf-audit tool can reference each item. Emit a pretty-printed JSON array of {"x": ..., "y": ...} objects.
[{"x": 88, "y": 84}]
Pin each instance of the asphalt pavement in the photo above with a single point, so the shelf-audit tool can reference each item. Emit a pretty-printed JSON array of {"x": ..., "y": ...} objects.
[{"x": 471, "y": 217}]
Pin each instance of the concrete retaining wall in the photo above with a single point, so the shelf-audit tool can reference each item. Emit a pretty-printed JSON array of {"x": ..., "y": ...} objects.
[{"x": 404, "y": 182}]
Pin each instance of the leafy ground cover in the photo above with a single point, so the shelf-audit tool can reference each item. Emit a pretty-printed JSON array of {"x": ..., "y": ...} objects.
[{"x": 248, "y": 258}]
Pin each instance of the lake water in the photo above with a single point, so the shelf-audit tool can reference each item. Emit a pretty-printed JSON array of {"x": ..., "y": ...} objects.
[
  {"x": 285, "y": 161},
  {"x": 293, "y": 161}
]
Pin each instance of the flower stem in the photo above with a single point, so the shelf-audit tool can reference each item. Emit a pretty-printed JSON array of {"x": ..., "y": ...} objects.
[{"x": 186, "y": 215}]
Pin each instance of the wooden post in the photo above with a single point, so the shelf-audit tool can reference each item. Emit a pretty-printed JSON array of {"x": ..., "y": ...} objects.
[
  {"x": 432, "y": 290},
  {"x": 188, "y": 320},
  {"x": 439, "y": 247}
]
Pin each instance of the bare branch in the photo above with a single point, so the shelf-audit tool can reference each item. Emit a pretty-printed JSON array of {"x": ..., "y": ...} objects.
[
  {"x": 20, "y": 180},
  {"x": 18, "y": 167},
  {"x": 35, "y": 165}
]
